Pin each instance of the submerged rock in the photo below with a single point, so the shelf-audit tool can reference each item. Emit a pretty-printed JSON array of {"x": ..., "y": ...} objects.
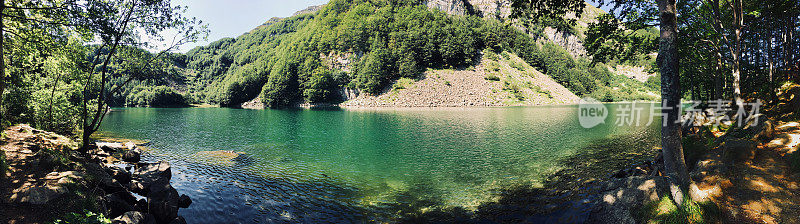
[{"x": 226, "y": 157}]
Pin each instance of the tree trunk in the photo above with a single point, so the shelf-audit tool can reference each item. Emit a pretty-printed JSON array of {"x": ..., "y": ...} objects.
[
  {"x": 674, "y": 163},
  {"x": 718, "y": 79},
  {"x": 737, "y": 54},
  {"x": 2, "y": 63}
]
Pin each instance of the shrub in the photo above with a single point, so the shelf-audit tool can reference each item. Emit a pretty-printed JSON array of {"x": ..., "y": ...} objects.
[
  {"x": 85, "y": 218},
  {"x": 514, "y": 89},
  {"x": 403, "y": 83},
  {"x": 489, "y": 54},
  {"x": 505, "y": 55},
  {"x": 493, "y": 67},
  {"x": 491, "y": 76}
]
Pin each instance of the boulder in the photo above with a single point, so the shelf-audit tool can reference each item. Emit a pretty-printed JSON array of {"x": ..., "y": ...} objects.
[
  {"x": 117, "y": 204},
  {"x": 140, "y": 205},
  {"x": 102, "y": 178},
  {"x": 132, "y": 156},
  {"x": 111, "y": 147},
  {"x": 36, "y": 195},
  {"x": 120, "y": 174},
  {"x": 621, "y": 197},
  {"x": 179, "y": 220},
  {"x": 163, "y": 201},
  {"x": 131, "y": 217},
  {"x": 738, "y": 150},
  {"x": 758, "y": 127},
  {"x": 134, "y": 217},
  {"x": 148, "y": 173},
  {"x": 184, "y": 201},
  {"x": 107, "y": 149},
  {"x": 46, "y": 160}
]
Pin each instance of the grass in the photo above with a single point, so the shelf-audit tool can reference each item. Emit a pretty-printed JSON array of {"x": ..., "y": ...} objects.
[
  {"x": 665, "y": 211},
  {"x": 492, "y": 77},
  {"x": 517, "y": 65},
  {"x": 403, "y": 83},
  {"x": 515, "y": 90},
  {"x": 493, "y": 67}
]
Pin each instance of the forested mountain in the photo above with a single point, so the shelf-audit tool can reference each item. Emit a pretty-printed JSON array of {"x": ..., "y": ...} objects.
[{"x": 363, "y": 46}]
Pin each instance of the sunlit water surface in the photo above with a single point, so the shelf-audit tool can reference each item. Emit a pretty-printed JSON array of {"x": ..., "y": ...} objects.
[{"x": 353, "y": 165}]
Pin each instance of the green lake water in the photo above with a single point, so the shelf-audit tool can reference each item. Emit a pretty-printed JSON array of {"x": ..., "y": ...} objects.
[{"x": 354, "y": 165}]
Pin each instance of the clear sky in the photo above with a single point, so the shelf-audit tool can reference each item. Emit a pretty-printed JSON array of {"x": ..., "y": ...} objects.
[{"x": 231, "y": 18}]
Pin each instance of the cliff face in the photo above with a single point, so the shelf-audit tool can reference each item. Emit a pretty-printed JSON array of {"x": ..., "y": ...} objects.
[
  {"x": 483, "y": 8},
  {"x": 501, "y": 9}
]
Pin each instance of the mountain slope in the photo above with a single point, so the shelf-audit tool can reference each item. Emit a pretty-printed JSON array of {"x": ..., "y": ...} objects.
[
  {"x": 505, "y": 81},
  {"x": 332, "y": 53}
]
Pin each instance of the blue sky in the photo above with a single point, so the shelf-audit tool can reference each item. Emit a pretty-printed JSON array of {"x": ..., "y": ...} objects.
[{"x": 231, "y": 18}]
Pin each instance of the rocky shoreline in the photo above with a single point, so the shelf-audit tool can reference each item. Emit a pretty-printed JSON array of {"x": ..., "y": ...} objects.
[{"x": 125, "y": 189}]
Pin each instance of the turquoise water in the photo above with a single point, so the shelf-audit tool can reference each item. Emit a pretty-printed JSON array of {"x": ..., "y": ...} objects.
[{"x": 353, "y": 165}]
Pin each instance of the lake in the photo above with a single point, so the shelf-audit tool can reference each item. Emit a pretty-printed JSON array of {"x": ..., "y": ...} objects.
[{"x": 355, "y": 165}]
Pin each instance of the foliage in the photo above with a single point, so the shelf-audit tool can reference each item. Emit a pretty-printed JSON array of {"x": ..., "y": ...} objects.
[
  {"x": 83, "y": 218},
  {"x": 158, "y": 96}
]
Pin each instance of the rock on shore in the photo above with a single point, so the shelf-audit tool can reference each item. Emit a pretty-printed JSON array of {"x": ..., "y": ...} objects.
[{"x": 99, "y": 170}]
